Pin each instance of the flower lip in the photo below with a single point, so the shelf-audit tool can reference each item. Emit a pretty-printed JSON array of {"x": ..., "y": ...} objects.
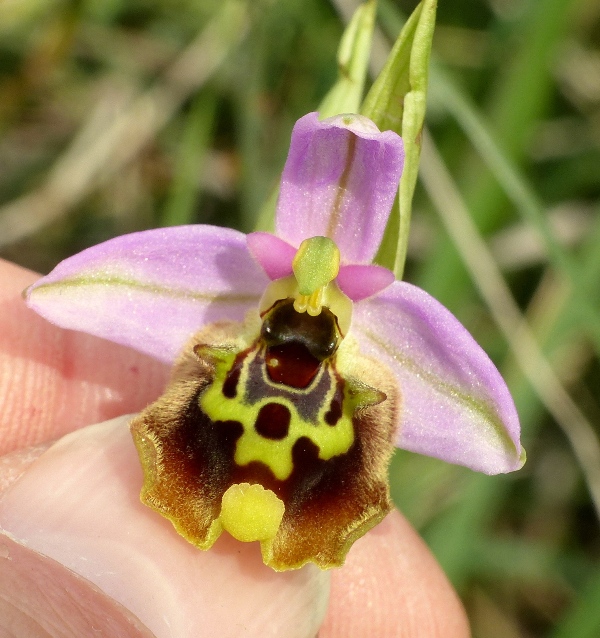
[{"x": 291, "y": 364}]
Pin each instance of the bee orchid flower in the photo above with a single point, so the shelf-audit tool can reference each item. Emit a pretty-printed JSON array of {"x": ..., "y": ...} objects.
[{"x": 298, "y": 363}]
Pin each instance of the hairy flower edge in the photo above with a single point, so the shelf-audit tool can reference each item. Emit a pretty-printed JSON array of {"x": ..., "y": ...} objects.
[{"x": 189, "y": 460}]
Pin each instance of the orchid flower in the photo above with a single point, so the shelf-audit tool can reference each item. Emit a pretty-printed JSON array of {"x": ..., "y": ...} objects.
[{"x": 299, "y": 364}]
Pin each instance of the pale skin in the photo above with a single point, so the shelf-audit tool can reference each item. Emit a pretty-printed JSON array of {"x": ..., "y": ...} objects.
[{"x": 53, "y": 382}]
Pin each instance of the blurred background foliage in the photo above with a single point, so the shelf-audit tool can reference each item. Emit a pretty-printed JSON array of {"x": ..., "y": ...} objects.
[{"x": 120, "y": 115}]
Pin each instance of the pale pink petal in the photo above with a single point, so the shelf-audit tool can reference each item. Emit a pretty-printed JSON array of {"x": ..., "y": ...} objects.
[
  {"x": 455, "y": 404},
  {"x": 339, "y": 181},
  {"x": 360, "y": 282},
  {"x": 273, "y": 254},
  {"x": 152, "y": 290}
]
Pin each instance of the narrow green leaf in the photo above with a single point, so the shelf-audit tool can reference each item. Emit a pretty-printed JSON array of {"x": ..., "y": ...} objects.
[
  {"x": 397, "y": 102},
  {"x": 384, "y": 104},
  {"x": 353, "y": 61}
]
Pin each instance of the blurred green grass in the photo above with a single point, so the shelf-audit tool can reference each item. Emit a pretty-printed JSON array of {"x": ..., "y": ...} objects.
[{"x": 126, "y": 114}]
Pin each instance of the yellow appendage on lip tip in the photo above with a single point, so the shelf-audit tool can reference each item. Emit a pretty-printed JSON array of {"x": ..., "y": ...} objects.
[
  {"x": 251, "y": 512},
  {"x": 315, "y": 265}
]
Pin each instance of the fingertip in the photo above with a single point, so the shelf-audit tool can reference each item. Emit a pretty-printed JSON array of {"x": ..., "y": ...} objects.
[
  {"x": 33, "y": 601},
  {"x": 53, "y": 381},
  {"x": 78, "y": 504},
  {"x": 391, "y": 585}
]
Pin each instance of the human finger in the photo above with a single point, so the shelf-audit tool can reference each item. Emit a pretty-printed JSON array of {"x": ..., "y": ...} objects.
[
  {"x": 391, "y": 585},
  {"x": 78, "y": 505},
  {"x": 53, "y": 381}
]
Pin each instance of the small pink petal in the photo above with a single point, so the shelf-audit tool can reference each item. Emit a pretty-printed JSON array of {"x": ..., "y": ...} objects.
[
  {"x": 339, "y": 181},
  {"x": 272, "y": 253},
  {"x": 455, "y": 404},
  {"x": 360, "y": 282}
]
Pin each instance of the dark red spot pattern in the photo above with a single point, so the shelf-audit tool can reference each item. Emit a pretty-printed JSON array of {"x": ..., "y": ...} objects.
[
  {"x": 273, "y": 421},
  {"x": 291, "y": 364}
]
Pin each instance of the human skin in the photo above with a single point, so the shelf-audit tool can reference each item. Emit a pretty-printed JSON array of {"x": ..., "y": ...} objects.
[{"x": 53, "y": 382}]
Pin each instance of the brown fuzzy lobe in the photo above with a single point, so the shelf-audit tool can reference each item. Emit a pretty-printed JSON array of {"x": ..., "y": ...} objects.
[{"x": 188, "y": 464}]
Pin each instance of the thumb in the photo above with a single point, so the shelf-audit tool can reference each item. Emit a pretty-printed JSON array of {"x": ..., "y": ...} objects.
[
  {"x": 40, "y": 597},
  {"x": 78, "y": 505}
]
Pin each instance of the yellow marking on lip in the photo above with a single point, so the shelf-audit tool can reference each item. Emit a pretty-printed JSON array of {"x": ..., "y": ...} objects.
[
  {"x": 332, "y": 440},
  {"x": 251, "y": 512}
]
